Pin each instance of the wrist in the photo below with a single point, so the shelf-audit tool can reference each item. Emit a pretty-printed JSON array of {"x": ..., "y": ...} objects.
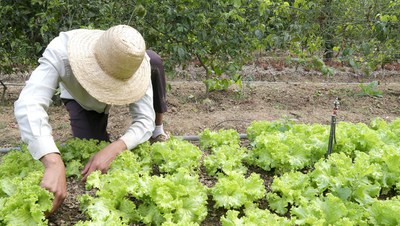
[
  {"x": 51, "y": 159},
  {"x": 120, "y": 146}
]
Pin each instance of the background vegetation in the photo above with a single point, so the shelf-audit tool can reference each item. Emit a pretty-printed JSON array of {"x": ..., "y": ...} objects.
[{"x": 221, "y": 35}]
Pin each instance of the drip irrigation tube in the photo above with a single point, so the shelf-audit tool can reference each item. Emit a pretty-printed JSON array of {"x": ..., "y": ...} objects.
[
  {"x": 196, "y": 138},
  {"x": 5, "y": 150},
  {"x": 186, "y": 137}
]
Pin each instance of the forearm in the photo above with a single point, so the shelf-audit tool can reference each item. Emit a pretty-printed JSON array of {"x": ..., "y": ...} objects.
[
  {"x": 30, "y": 113},
  {"x": 143, "y": 117}
]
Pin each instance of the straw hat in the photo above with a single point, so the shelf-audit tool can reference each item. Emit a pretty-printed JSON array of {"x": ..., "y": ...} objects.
[{"x": 112, "y": 65}]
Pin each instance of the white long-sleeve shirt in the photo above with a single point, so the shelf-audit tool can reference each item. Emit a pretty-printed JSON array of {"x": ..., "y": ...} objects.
[{"x": 53, "y": 71}]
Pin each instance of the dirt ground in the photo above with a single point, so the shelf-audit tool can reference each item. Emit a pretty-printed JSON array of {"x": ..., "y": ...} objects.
[{"x": 269, "y": 92}]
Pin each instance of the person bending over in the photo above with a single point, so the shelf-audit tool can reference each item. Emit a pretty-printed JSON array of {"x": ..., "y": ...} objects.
[{"x": 94, "y": 69}]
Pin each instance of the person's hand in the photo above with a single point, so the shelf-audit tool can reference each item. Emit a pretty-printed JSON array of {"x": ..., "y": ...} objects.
[
  {"x": 54, "y": 179},
  {"x": 102, "y": 159}
]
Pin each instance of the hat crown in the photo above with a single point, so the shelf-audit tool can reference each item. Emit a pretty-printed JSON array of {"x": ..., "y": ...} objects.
[{"x": 120, "y": 51}]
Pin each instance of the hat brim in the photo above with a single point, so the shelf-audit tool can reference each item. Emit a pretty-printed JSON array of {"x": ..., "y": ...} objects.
[{"x": 95, "y": 81}]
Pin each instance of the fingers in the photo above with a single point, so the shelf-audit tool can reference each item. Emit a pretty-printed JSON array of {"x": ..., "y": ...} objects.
[
  {"x": 85, "y": 170},
  {"x": 102, "y": 159},
  {"x": 92, "y": 166},
  {"x": 54, "y": 179},
  {"x": 59, "y": 193},
  {"x": 89, "y": 168},
  {"x": 57, "y": 201},
  {"x": 86, "y": 173}
]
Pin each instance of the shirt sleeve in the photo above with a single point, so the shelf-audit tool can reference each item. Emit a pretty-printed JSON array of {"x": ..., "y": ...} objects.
[
  {"x": 143, "y": 116},
  {"x": 31, "y": 107}
]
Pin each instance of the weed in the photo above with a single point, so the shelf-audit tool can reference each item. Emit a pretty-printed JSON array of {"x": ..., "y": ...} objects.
[{"x": 371, "y": 89}]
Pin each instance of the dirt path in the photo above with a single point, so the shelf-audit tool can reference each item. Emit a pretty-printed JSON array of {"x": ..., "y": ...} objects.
[{"x": 191, "y": 109}]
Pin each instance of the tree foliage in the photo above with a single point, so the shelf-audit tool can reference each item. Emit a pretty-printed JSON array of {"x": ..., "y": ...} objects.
[{"x": 221, "y": 35}]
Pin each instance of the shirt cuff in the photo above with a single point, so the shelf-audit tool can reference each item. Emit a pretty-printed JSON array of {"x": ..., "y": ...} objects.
[
  {"x": 131, "y": 141},
  {"x": 42, "y": 146}
]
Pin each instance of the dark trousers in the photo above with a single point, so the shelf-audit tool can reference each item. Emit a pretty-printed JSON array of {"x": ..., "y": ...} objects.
[
  {"x": 86, "y": 124},
  {"x": 158, "y": 82},
  {"x": 93, "y": 125}
]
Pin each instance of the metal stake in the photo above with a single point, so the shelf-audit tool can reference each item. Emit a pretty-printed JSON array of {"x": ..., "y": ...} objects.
[{"x": 332, "y": 135}]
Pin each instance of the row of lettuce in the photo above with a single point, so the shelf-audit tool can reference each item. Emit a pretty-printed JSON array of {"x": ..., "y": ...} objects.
[{"x": 281, "y": 176}]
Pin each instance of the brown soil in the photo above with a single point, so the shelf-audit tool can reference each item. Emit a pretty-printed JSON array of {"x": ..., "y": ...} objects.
[{"x": 269, "y": 92}]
